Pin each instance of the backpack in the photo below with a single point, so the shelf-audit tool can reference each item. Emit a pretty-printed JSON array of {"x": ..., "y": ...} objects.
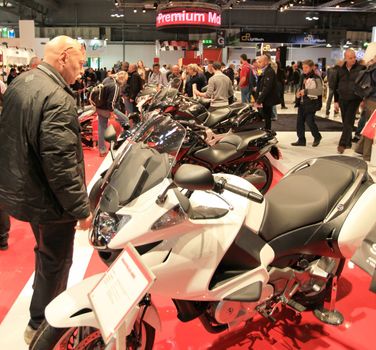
[
  {"x": 364, "y": 84},
  {"x": 97, "y": 97}
]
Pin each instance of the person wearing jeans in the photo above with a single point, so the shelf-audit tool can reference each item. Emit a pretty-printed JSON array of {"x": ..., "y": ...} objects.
[
  {"x": 244, "y": 82},
  {"x": 310, "y": 101},
  {"x": 111, "y": 93}
]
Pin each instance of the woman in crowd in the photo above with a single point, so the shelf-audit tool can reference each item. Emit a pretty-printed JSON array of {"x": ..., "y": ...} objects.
[
  {"x": 309, "y": 99},
  {"x": 141, "y": 70},
  {"x": 196, "y": 76}
]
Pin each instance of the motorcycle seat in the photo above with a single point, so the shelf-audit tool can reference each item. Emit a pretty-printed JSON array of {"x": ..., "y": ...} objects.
[
  {"x": 229, "y": 148},
  {"x": 217, "y": 116},
  {"x": 305, "y": 197}
]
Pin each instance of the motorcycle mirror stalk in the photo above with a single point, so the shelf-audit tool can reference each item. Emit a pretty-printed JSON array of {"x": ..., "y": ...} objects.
[{"x": 110, "y": 136}]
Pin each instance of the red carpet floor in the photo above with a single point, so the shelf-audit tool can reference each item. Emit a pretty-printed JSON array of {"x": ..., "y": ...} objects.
[{"x": 357, "y": 304}]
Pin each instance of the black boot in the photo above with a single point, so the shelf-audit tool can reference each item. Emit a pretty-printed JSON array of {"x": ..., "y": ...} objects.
[{"x": 299, "y": 143}]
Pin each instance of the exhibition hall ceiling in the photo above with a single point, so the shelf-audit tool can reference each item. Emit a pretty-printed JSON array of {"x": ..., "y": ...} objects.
[{"x": 258, "y": 14}]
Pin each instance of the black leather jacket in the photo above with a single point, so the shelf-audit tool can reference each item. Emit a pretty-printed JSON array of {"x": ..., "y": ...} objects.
[
  {"x": 345, "y": 82},
  {"x": 42, "y": 177}
]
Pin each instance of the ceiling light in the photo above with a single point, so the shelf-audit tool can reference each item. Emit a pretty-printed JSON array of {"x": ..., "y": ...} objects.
[
  {"x": 315, "y": 18},
  {"x": 231, "y": 7},
  {"x": 309, "y": 18},
  {"x": 328, "y": 45},
  {"x": 348, "y": 42},
  {"x": 143, "y": 11},
  {"x": 155, "y": 5},
  {"x": 135, "y": 10},
  {"x": 116, "y": 3},
  {"x": 337, "y": 6},
  {"x": 352, "y": 2}
]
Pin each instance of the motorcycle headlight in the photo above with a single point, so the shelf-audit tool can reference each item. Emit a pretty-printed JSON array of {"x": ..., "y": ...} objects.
[{"x": 105, "y": 228}]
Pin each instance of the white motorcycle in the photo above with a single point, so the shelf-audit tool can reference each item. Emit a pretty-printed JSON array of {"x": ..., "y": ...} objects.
[{"x": 219, "y": 249}]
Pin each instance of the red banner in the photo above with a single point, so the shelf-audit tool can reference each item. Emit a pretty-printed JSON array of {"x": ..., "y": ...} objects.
[
  {"x": 369, "y": 129},
  {"x": 188, "y": 17}
]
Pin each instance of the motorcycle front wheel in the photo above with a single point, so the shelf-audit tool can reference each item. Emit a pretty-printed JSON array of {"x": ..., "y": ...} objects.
[
  {"x": 259, "y": 173},
  {"x": 87, "y": 338}
]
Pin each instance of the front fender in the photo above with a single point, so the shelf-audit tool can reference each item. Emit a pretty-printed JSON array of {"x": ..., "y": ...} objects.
[{"x": 72, "y": 308}]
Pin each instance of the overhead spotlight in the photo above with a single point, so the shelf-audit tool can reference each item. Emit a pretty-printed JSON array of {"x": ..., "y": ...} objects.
[
  {"x": 116, "y": 3},
  {"x": 309, "y": 18},
  {"x": 328, "y": 45},
  {"x": 135, "y": 10},
  {"x": 345, "y": 46},
  {"x": 143, "y": 11},
  {"x": 315, "y": 18},
  {"x": 231, "y": 7},
  {"x": 338, "y": 6},
  {"x": 291, "y": 4},
  {"x": 155, "y": 5},
  {"x": 352, "y": 2}
]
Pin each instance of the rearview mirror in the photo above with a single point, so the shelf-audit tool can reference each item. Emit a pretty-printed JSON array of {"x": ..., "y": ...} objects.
[
  {"x": 194, "y": 177},
  {"x": 110, "y": 134}
]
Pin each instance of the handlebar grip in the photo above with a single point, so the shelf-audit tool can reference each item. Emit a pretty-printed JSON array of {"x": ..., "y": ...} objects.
[{"x": 253, "y": 196}]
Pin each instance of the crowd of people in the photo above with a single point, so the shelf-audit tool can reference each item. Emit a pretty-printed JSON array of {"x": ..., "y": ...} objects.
[{"x": 42, "y": 179}]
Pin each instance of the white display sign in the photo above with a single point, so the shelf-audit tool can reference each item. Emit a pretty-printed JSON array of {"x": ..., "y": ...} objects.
[{"x": 120, "y": 289}]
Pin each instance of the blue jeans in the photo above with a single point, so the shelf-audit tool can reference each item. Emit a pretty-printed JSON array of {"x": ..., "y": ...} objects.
[
  {"x": 103, "y": 116},
  {"x": 129, "y": 106},
  {"x": 246, "y": 94}
]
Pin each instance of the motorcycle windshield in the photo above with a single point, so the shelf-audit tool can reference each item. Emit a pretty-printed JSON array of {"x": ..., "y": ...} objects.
[
  {"x": 166, "y": 95},
  {"x": 145, "y": 161}
]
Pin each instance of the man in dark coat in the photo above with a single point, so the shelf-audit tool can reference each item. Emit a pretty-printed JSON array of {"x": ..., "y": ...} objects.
[
  {"x": 267, "y": 90},
  {"x": 42, "y": 180},
  {"x": 345, "y": 97},
  {"x": 132, "y": 88}
]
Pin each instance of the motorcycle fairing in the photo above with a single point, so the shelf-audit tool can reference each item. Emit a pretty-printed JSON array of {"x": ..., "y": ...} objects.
[{"x": 72, "y": 308}]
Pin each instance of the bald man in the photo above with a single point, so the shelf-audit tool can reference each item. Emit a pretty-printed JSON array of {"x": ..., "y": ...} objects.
[
  {"x": 345, "y": 98},
  {"x": 132, "y": 88},
  {"x": 42, "y": 180},
  {"x": 267, "y": 90}
]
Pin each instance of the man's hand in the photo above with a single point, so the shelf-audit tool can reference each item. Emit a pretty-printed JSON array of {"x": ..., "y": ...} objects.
[
  {"x": 336, "y": 107},
  {"x": 84, "y": 224},
  {"x": 258, "y": 105},
  {"x": 131, "y": 100}
]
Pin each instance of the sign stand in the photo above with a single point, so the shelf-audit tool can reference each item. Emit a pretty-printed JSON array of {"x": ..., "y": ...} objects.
[{"x": 116, "y": 297}]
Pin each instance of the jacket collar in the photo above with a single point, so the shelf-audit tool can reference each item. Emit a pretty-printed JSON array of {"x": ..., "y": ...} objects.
[{"x": 55, "y": 75}]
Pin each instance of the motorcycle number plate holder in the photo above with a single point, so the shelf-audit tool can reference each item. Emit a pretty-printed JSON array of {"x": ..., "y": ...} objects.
[{"x": 119, "y": 291}]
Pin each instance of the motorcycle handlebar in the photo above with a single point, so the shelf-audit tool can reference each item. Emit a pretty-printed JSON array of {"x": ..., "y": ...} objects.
[{"x": 253, "y": 196}]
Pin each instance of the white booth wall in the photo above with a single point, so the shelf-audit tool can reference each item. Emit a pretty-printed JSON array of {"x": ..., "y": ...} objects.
[
  {"x": 134, "y": 52},
  {"x": 314, "y": 53}
]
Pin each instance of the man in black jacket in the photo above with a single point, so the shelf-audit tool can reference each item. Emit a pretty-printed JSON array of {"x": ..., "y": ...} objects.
[
  {"x": 331, "y": 77},
  {"x": 267, "y": 90},
  {"x": 132, "y": 88},
  {"x": 42, "y": 179},
  {"x": 345, "y": 98}
]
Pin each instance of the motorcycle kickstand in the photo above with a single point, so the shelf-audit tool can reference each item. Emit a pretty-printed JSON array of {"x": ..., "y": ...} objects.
[{"x": 327, "y": 312}]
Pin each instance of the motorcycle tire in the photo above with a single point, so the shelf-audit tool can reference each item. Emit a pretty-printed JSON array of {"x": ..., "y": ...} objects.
[
  {"x": 263, "y": 164},
  {"x": 50, "y": 338}
]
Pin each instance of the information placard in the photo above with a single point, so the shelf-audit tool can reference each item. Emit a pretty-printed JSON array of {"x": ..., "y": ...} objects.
[{"x": 120, "y": 289}]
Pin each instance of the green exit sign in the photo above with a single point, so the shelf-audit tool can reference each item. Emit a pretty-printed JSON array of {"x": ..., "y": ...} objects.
[{"x": 207, "y": 41}]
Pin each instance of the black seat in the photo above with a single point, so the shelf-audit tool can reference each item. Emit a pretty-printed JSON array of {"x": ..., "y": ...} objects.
[
  {"x": 305, "y": 197},
  {"x": 229, "y": 148},
  {"x": 249, "y": 136},
  {"x": 217, "y": 116}
]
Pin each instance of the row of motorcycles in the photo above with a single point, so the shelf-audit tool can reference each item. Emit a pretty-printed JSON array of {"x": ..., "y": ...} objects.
[
  {"x": 225, "y": 140},
  {"x": 225, "y": 253}
]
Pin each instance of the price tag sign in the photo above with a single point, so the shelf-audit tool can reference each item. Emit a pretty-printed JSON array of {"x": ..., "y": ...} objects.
[{"x": 121, "y": 288}]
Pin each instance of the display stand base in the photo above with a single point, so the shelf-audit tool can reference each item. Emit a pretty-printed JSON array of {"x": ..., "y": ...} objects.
[{"x": 334, "y": 317}]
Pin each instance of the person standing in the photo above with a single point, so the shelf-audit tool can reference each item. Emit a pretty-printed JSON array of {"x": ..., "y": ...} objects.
[
  {"x": 345, "y": 98},
  {"x": 209, "y": 71},
  {"x": 364, "y": 145},
  {"x": 309, "y": 98},
  {"x": 194, "y": 77},
  {"x": 267, "y": 90},
  {"x": 132, "y": 88},
  {"x": 331, "y": 76},
  {"x": 12, "y": 75},
  {"x": 219, "y": 89},
  {"x": 42, "y": 180},
  {"x": 244, "y": 83},
  {"x": 34, "y": 62},
  {"x": 111, "y": 96},
  {"x": 156, "y": 77},
  {"x": 281, "y": 80},
  {"x": 230, "y": 72}
]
